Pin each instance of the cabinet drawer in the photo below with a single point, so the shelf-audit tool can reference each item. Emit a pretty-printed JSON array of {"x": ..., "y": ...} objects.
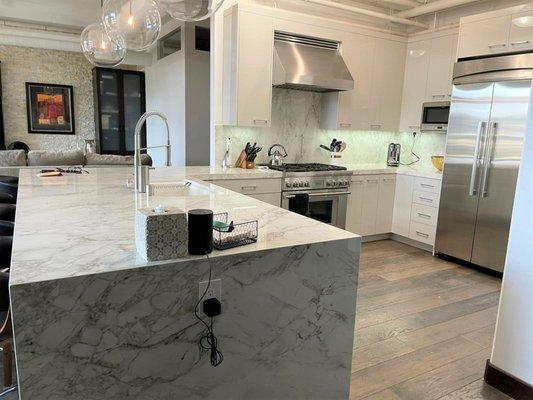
[
  {"x": 270, "y": 198},
  {"x": 424, "y": 215},
  {"x": 422, "y": 233},
  {"x": 426, "y": 198},
  {"x": 427, "y": 185},
  {"x": 251, "y": 186}
]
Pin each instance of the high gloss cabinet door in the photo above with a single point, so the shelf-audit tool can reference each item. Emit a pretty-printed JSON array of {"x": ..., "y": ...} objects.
[
  {"x": 414, "y": 87},
  {"x": 354, "y": 209},
  {"x": 488, "y": 36},
  {"x": 385, "y": 208},
  {"x": 387, "y": 78},
  {"x": 248, "y": 59},
  {"x": 521, "y": 32},
  {"x": 439, "y": 83}
]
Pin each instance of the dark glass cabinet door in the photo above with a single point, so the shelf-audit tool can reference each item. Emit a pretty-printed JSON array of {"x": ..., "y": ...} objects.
[{"x": 119, "y": 102}]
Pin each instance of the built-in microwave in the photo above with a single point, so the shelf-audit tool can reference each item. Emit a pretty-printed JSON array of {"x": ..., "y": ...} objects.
[{"x": 435, "y": 116}]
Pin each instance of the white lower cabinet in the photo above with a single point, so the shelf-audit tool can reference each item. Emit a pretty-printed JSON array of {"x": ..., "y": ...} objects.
[
  {"x": 270, "y": 198},
  {"x": 264, "y": 189},
  {"x": 403, "y": 199},
  {"x": 416, "y": 208},
  {"x": 370, "y": 204}
]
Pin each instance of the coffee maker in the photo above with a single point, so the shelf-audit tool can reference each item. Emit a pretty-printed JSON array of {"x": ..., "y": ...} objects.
[{"x": 393, "y": 155}]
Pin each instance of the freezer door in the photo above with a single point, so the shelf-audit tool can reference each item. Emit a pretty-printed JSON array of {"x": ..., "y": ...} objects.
[
  {"x": 469, "y": 119},
  {"x": 499, "y": 173}
]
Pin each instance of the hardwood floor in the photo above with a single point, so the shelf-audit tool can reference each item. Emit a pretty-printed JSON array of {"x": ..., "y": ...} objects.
[{"x": 424, "y": 327}]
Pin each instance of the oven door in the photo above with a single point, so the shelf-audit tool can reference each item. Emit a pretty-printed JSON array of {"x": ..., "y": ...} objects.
[{"x": 328, "y": 206}]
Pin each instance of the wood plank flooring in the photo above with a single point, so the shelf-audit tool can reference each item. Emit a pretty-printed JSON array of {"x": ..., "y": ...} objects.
[{"x": 424, "y": 327}]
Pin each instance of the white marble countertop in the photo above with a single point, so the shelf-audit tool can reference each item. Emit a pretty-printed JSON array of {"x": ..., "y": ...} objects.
[
  {"x": 77, "y": 225},
  {"x": 413, "y": 170}
]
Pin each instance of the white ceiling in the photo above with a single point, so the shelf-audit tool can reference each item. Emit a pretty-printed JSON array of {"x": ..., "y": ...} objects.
[{"x": 73, "y": 13}]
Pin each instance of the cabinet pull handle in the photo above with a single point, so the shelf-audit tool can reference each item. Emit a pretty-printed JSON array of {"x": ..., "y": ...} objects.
[
  {"x": 345, "y": 125},
  {"x": 261, "y": 121},
  {"x": 520, "y": 42},
  {"x": 424, "y": 235},
  {"x": 248, "y": 188},
  {"x": 427, "y": 216},
  {"x": 494, "y": 46},
  {"x": 375, "y": 126},
  {"x": 439, "y": 96},
  {"x": 426, "y": 199},
  {"x": 372, "y": 180},
  {"x": 414, "y": 126},
  {"x": 427, "y": 185}
]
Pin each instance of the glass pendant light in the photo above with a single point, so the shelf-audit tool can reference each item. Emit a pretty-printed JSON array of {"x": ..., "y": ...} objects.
[
  {"x": 101, "y": 49},
  {"x": 138, "y": 22},
  {"x": 189, "y": 10}
]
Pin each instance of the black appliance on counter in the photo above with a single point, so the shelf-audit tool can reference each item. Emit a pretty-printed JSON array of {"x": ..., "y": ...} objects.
[{"x": 318, "y": 191}]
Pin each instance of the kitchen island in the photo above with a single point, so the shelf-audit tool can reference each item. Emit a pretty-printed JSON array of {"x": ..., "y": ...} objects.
[{"x": 93, "y": 320}]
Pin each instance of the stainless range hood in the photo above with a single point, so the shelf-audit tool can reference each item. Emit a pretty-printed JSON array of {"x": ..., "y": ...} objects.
[{"x": 310, "y": 64}]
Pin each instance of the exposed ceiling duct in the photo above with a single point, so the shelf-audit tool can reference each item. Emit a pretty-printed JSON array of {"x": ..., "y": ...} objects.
[
  {"x": 434, "y": 6},
  {"x": 363, "y": 11}
]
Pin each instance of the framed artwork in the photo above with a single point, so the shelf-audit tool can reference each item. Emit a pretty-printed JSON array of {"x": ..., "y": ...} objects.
[{"x": 50, "y": 108}]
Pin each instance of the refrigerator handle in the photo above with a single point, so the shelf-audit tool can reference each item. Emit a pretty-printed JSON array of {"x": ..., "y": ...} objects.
[
  {"x": 487, "y": 158},
  {"x": 480, "y": 129}
]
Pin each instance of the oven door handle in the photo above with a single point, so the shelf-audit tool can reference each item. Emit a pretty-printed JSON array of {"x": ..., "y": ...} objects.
[{"x": 291, "y": 196}]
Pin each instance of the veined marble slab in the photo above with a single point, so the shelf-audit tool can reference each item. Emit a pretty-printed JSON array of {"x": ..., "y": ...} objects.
[
  {"x": 84, "y": 224},
  {"x": 92, "y": 320}
]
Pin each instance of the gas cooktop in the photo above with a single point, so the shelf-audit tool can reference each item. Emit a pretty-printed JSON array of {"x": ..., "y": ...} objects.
[{"x": 303, "y": 167}]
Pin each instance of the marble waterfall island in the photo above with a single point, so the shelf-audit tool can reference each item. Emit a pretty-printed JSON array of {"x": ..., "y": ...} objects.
[{"x": 93, "y": 320}]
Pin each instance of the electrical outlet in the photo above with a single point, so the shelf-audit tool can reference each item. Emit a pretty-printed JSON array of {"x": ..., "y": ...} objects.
[{"x": 214, "y": 291}]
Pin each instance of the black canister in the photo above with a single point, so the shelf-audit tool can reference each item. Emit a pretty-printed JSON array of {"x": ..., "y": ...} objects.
[{"x": 200, "y": 223}]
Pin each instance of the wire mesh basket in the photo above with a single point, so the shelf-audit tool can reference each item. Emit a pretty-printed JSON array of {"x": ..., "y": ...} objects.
[{"x": 240, "y": 234}]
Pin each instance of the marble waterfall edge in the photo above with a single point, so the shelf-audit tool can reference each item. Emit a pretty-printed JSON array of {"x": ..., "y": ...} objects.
[{"x": 286, "y": 330}]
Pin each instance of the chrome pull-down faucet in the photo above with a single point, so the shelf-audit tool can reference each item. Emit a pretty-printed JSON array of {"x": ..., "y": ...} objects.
[{"x": 142, "y": 173}]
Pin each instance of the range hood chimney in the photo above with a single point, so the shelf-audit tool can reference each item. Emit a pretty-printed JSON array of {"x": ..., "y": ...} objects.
[{"x": 310, "y": 64}]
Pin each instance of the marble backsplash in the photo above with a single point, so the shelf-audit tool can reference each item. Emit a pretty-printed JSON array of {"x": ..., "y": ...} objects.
[{"x": 296, "y": 125}]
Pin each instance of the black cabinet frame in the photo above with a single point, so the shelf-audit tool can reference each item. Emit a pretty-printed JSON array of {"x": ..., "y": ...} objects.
[{"x": 97, "y": 71}]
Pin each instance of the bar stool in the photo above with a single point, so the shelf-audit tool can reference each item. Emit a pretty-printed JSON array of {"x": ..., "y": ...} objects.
[
  {"x": 9, "y": 179},
  {"x": 6, "y": 336},
  {"x": 6, "y": 198},
  {"x": 9, "y": 188},
  {"x": 7, "y": 212}
]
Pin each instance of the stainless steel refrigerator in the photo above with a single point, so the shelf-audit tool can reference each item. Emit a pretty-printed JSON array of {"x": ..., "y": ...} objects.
[{"x": 487, "y": 123}]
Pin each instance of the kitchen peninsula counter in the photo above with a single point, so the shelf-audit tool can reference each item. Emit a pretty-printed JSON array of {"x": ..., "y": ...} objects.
[{"x": 93, "y": 320}]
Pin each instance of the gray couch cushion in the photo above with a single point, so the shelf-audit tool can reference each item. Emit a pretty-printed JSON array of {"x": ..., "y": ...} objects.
[
  {"x": 111, "y": 159},
  {"x": 12, "y": 158},
  {"x": 55, "y": 158}
]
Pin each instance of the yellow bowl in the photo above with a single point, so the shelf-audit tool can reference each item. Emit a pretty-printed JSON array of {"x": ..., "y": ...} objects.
[{"x": 438, "y": 162}]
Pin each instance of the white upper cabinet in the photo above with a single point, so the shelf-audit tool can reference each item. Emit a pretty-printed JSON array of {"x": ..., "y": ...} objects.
[
  {"x": 502, "y": 31},
  {"x": 428, "y": 77},
  {"x": 349, "y": 110},
  {"x": 485, "y": 36},
  {"x": 248, "y": 59},
  {"x": 414, "y": 85},
  {"x": 387, "y": 84},
  {"x": 441, "y": 60},
  {"x": 521, "y": 31}
]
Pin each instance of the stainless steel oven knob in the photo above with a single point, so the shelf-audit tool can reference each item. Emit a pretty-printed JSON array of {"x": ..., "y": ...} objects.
[
  {"x": 288, "y": 184},
  {"x": 328, "y": 182},
  {"x": 334, "y": 183},
  {"x": 306, "y": 184},
  {"x": 297, "y": 184}
]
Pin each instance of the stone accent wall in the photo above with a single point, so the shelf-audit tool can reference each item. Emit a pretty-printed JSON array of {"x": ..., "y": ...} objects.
[{"x": 24, "y": 64}]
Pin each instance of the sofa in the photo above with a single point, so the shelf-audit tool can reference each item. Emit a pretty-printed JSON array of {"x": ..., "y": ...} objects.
[{"x": 40, "y": 158}]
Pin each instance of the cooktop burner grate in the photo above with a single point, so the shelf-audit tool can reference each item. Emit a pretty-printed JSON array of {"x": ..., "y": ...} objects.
[{"x": 306, "y": 167}]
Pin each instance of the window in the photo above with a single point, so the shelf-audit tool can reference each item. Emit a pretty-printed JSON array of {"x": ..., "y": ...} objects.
[{"x": 169, "y": 44}]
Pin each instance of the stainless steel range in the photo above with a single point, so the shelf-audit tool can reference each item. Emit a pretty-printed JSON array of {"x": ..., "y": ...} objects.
[{"x": 318, "y": 191}]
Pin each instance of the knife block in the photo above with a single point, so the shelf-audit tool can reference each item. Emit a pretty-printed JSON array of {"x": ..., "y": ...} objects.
[
  {"x": 241, "y": 161},
  {"x": 161, "y": 235}
]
